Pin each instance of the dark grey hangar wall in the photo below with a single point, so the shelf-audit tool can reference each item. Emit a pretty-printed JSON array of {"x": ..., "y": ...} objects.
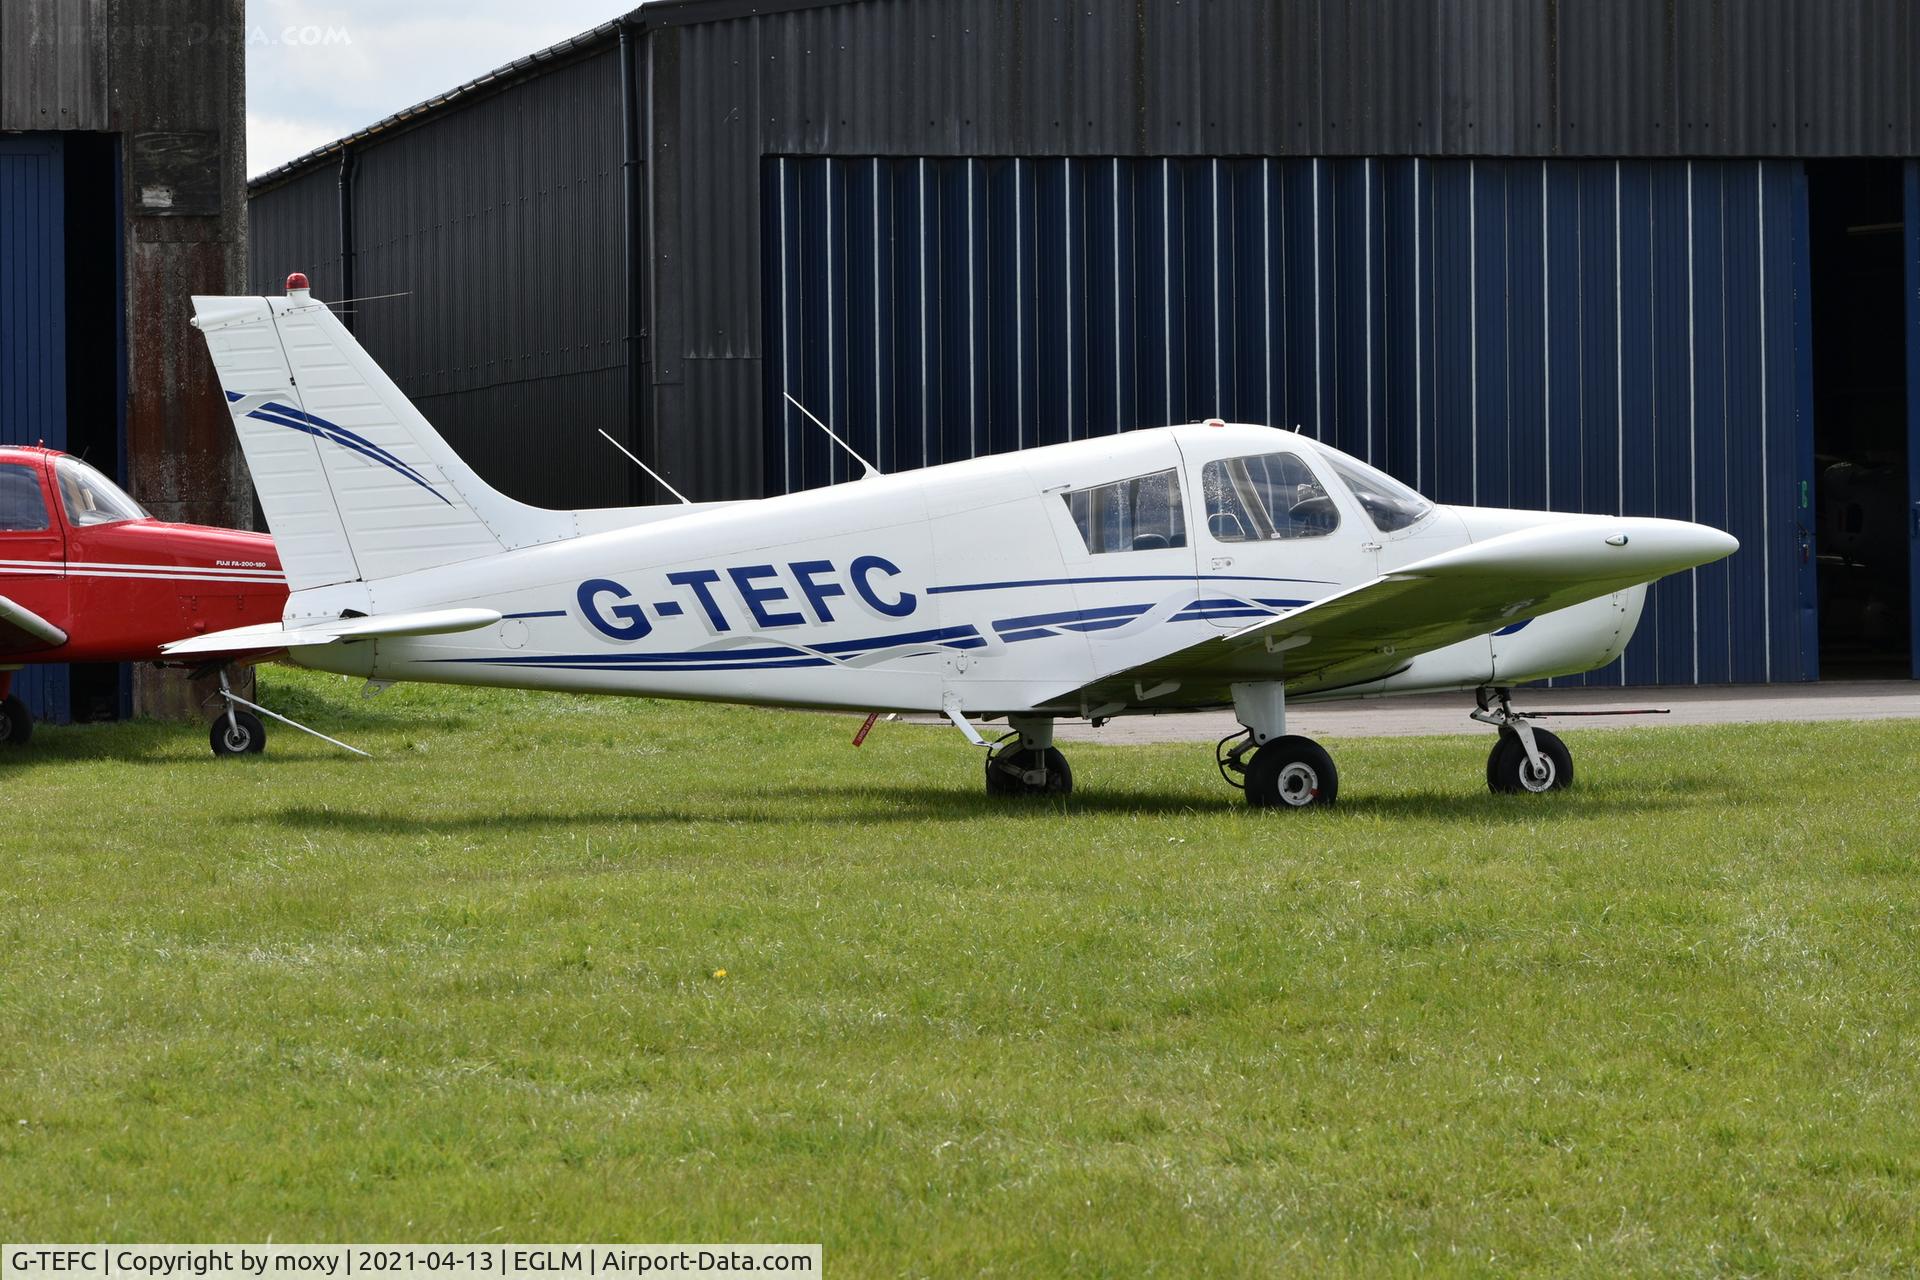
[{"x": 1651, "y": 256}]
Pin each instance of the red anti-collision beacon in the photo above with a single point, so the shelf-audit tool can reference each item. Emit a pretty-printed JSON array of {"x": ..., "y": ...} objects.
[{"x": 297, "y": 282}]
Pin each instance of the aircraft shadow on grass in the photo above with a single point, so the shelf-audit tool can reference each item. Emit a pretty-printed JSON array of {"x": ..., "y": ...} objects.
[{"x": 910, "y": 804}]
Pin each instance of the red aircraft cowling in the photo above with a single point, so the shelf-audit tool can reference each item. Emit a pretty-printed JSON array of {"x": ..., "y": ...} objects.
[{"x": 79, "y": 556}]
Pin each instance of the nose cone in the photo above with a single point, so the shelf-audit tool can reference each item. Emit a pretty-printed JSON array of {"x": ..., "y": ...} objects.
[
  {"x": 1620, "y": 549},
  {"x": 1672, "y": 544}
]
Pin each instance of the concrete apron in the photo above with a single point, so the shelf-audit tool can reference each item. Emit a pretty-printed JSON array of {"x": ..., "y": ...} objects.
[{"x": 1437, "y": 714}]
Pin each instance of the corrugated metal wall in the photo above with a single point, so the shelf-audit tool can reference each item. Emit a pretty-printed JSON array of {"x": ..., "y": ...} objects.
[
  {"x": 722, "y": 87},
  {"x": 297, "y": 229},
  {"x": 1311, "y": 77},
  {"x": 1146, "y": 78},
  {"x": 54, "y": 58},
  {"x": 33, "y": 335},
  {"x": 502, "y": 222},
  {"x": 1580, "y": 335}
]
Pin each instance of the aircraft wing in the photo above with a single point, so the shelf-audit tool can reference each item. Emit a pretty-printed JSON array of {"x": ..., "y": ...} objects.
[
  {"x": 1372, "y": 630},
  {"x": 24, "y": 631},
  {"x": 272, "y": 636}
]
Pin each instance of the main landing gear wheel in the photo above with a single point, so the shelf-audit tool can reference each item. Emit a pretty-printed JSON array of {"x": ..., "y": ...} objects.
[
  {"x": 1291, "y": 773},
  {"x": 244, "y": 736},
  {"x": 1509, "y": 771},
  {"x": 1015, "y": 770},
  {"x": 16, "y": 722}
]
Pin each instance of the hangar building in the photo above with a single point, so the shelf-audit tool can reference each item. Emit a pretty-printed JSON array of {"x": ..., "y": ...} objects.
[
  {"x": 122, "y": 192},
  {"x": 1648, "y": 256}
]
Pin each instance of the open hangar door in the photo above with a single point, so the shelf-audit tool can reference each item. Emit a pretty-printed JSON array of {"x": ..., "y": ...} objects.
[
  {"x": 33, "y": 337},
  {"x": 1910, "y": 239},
  {"x": 1607, "y": 336},
  {"x": 62, "y": 349},
  {"x": 1858, "y": 234}
]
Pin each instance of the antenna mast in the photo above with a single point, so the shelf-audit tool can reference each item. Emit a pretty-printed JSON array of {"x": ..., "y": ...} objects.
[
  {"x": 871, "y": 469},
  {"x": 644, "y": 467}
]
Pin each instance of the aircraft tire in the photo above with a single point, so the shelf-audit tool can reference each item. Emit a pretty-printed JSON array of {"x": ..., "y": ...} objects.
[
  {"x": 247, "y": 736},
  {"x": 1507, "y": 771},
  {"x": 1003, "y": 770},
  {"x": 1291, "y": 773},
  {"x": 16, "y": 722}
]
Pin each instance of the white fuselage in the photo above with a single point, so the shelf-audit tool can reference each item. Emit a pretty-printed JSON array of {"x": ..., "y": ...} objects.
[{"x": 967, "y": 586}]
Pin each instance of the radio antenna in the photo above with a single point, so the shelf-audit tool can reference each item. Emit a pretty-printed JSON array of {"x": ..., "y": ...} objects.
[
  {"x": 369, "y": 297},
  {"x": 644, "y": 467},
  {"x": 871, "y": 469}
]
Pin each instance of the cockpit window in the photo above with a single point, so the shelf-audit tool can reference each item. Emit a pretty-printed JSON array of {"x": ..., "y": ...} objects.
[
  {"x": 1269, "y": 495},
  {"x": 1388, "y": 503},
  {"x": 23, "y": 509},
  {"x": 1141, "y": 514},
  {"x": 91, "y": 498}
]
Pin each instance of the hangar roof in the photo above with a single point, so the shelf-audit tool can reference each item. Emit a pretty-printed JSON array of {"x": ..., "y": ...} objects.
[{"x": 659, "y": 13}]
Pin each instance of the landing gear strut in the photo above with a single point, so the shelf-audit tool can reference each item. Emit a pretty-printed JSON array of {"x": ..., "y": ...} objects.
[
  {"x": 1524, "y": 759},
  {"x": 1277, "y": 770},
  {"x": 1026, "y": 763},
  {"x": 236, "y": 731}
]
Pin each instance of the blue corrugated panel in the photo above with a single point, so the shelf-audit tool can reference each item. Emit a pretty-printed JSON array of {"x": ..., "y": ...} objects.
[
  {"x": 1581, "y": 335},
  {"x": 33, "y": 336}
]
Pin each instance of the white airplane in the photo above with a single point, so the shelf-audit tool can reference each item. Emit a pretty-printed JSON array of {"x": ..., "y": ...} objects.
[{"x": 1173, "y": 569}]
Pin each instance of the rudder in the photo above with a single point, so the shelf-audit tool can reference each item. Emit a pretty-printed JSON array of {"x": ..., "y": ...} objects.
[{"x": 355, "y": 482}]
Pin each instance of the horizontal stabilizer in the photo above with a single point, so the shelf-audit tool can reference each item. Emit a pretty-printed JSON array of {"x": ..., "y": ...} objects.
[
  {"x": 24, "y": 631},
  {"x": 272, "y": 636}
]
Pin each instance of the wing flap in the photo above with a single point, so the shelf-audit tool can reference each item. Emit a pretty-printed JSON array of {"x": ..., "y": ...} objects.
[
  {"x": 24, "y": 631},
  {"x": 273, "y": 636},
  {"x": 1370, "y": 631}
]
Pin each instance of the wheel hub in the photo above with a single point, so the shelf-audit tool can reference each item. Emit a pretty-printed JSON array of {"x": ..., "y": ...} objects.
[{"x": 1299, "y": 784}]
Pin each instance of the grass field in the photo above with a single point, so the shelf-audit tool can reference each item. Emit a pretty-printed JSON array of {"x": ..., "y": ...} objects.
[{"x": 472, "y": 989}]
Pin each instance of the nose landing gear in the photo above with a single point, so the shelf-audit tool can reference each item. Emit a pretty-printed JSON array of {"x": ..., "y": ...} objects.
[{"x": 1524, "y": 759}]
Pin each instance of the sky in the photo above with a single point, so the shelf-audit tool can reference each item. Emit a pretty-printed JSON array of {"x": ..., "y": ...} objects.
[{"x": 318, "y": 70}]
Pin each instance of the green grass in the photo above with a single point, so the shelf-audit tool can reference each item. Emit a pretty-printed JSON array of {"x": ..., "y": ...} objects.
[{"x": 1665, "y": 1023}]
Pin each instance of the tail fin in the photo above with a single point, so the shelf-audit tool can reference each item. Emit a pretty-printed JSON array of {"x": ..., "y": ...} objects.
[{"x": 356, "y": 484}]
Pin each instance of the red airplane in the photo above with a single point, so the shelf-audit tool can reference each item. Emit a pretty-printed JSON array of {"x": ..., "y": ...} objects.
[{"x": 86, "y": 575}]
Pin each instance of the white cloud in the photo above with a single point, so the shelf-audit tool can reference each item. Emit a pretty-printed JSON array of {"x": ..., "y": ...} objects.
[
  {"x": 320, "y": 69},
  {"x": 274, "y": 140}
]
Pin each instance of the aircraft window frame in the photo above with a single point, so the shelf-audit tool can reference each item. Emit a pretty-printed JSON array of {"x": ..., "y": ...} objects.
[
  {"x": 1391, "y": 505},
  {"x": 1109, "y": 516},
  {"x": 107, "y": 503},
  {"x": 12, "y": 472},
  {"x": 1229, "y": 491}
]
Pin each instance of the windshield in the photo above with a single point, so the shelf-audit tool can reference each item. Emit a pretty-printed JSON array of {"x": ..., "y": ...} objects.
[
  {"x": 91, "y": 498},
  {"x": 1391, "y": 506}
]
